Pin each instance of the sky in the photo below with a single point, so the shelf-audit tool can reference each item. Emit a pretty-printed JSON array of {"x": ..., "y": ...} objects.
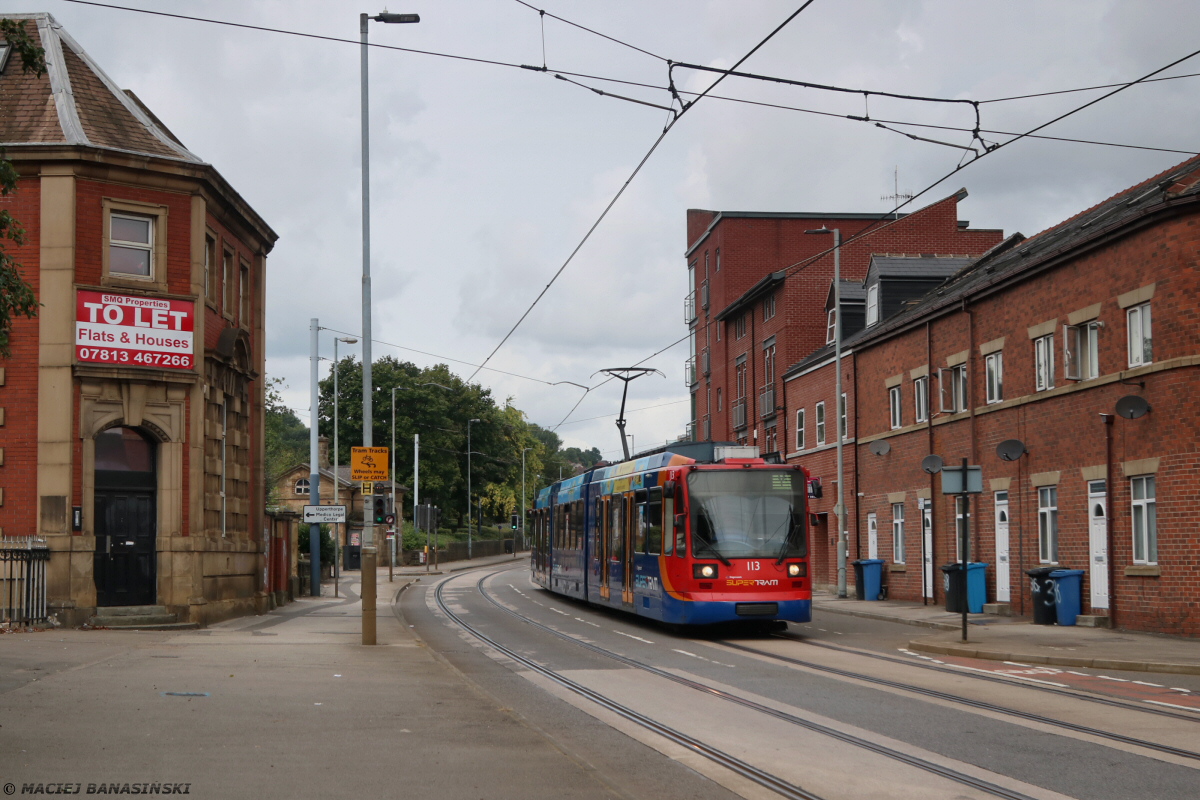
[{"x": 486, "y": 178}]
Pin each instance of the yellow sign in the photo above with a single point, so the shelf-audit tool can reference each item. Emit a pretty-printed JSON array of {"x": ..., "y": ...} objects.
[
  {"x": 368, "y": 463},
  {"x": 368, "y": 487}
]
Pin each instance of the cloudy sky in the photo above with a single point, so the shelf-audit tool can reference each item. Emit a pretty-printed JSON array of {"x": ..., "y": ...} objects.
[{"x": 485, "y": 178}]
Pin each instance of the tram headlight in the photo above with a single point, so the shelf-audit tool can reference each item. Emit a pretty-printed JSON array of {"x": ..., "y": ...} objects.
[
  {"x": 797, "y": 570},
  {"x": 704, "y": 571}
]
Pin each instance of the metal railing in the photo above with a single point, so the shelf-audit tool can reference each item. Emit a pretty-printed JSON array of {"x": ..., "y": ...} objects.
[
  {"x": 766, "y": 401},
  {"x": 689, "y": 308},
  {"x": 689, "y": 371},
  {"x": 690, "y": 433},
  {"x": 23, "y": 581},
  {"x": 739, "y": 414}
]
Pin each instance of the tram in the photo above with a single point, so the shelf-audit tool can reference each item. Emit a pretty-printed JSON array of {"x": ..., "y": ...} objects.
[{"x": 695, "y": 534}]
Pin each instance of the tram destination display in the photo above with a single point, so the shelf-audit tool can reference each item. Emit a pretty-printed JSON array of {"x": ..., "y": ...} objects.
[{"x": 132, "y": 331}]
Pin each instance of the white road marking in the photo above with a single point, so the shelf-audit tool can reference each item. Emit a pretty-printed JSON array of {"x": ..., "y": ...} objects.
[
  {"x": 1073, "y": 672},
  {"x": 556, "y": 611},
  {"x": 540, "y": 604},
  {"x": 585, "y": 622},
  {"x": 631, "y": 636},
  {"x": 1109, "y": 678},
  {"x": 822, "y": 630},
  {"x": 1017, "y": 664},
  {"x": 1172, "y": 705},
  {"x": 1177, "y": 689},
  {"x": 702, "y": 658},
  {"x": 839, "y": 633},
  {"x": 1144, "y": 683}
]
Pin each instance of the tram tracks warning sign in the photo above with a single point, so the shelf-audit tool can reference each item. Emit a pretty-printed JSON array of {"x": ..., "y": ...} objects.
[{"x": 368, "y": 463}]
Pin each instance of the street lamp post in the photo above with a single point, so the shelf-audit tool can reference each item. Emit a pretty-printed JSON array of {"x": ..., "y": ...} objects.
[
  {"x": 523, "y": 449},
  {"x": 336, "y": 478},
  {"x": 840, "y": 508},
  {"x": 314, "y": 468},
  {"x": 368, "y": 566},
  {"x": 469, "y": 487}
]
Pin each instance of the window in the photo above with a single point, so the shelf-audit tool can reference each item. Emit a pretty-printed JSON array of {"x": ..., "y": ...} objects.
[
  {"x": 772, "y": 440},
  {"x": 898, "y": 533},
  {"x": 1081, "y": 351},
  {"x": 227, "y": 283},
  {"x": 842, "y": 429},
  {"x": 210, "y": 263},
  {"x": 768, "y": 307},
  {"x": 769, "y": 364},
  {"x": 739, "y": 327},
  {"x": 993, "y": 367},
  {"x": 921, "y": 398},
  {"x": 302, "y": 486},
  {"x": 720, "y": 401},
  {"x": 873, "y": 304},
  {"x": 244, "y": 297},
  {"x": 1048, "y": 524},
  {"x": 953, "y": 388},
  {"x": 718, "y": 327},
  {"x": 894, "y": 405},
  {"x": 820, "y": 424},
  {"x": 718, "y": 259},
  {"x": 1139, "y": 335},
  {"x": 1145, "y": 521},
  {"x": 130, "y": 246},
  {"x": 800, "y": 429},
  {"x": 831, "y": 326},
  {"x": 1043, "y": 362},
  {"x": 741, "y": 380}
]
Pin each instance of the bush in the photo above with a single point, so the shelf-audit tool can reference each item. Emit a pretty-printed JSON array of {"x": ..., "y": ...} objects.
[{"x": 327, "y": 552}]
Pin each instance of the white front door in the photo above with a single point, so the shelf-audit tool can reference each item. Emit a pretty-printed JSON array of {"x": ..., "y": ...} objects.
[
  {"x": 1098, "y": 543},
  {"x": 927, "y": 533},
  {"x": 872, "y": 536},
  {"x": 1003, "y": 576}
]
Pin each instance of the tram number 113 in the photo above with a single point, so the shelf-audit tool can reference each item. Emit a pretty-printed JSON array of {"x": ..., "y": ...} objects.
[{"x": 753, "y": 566}]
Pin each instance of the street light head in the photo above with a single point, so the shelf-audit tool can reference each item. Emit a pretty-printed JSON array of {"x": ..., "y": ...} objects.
[
  {"x": 394, "y": 18},
  {"x": 348, "y": 340},
  {"x": 474, "y": 420},
  {"x": 822, "y": 229}
]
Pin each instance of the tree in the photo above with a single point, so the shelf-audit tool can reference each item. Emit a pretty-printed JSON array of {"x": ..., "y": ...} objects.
[{"x": 16, "y": 295}]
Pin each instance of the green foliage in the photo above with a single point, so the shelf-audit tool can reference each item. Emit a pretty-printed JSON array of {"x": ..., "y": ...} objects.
[
  {"x": 16, "y": 295},
  {"x": 440, "y": 416},
  {"x": 327, "y": 551}
]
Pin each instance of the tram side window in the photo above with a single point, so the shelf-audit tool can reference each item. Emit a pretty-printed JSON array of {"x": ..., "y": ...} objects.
[
  {"x": 639, "y": 522},
  {"x": 577, "y": 524},
  {"x": 653, "y": 521},
  {"x": 598, "y": 517},
  {"x": 616, "y": 547}
]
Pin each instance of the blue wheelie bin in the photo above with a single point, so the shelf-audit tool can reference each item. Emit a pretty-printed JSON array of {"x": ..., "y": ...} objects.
[
  {"x": 872, "y": 577},
  {"x": 1068, "y": 594},
  {"x": 976, "y": 586}
]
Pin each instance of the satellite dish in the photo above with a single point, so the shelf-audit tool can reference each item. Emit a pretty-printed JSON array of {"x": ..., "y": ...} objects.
[
  {"x": 1131, "y": 406},
  {"x": 1011, "y": 449},
  {"x": 932, "y": 464},
  {"x": 880, "y": 447}
]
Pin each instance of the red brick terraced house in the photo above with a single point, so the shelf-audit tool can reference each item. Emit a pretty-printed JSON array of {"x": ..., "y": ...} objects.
[
  {"x": 131, "y": 409},
  {"x": 759, "y": 302},
  {"x": 1081, "y": 348}
]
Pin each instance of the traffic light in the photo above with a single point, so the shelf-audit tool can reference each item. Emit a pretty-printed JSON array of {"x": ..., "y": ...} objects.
[
  {"x": 435, "y": 518},
  {"x": 379, "y": 507},
  {"x": 516, "y": 519}
]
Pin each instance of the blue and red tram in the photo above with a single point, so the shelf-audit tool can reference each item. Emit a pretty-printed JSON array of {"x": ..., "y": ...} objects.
[{"x": 679, "y": 540}]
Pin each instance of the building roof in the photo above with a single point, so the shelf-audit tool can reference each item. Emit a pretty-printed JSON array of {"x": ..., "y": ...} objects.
[
  {"x": 75, "y": 103},
  {"x": 766, "y": 285},
  {"x": 723, "y": 215},
  {"x": 852, "y": 292},
  {"x": 1017, "y": 255},
  {"x": 923, "y": 266}
]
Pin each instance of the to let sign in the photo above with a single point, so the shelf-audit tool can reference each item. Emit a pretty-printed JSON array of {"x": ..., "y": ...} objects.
[
  {"x": 134, "y": 331},
  {"x": 368, "y": 463}
]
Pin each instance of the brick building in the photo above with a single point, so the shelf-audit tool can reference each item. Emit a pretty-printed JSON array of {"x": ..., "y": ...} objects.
[
  {"x": 1081, "y": 344},
  {"x": 760, "y": 300},
  {"x": 131, "y": 409}
]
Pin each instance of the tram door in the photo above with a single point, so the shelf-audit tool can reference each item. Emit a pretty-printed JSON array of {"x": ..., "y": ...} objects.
[
  {"x": 1003, "y": 589},
  {"x": 1098, "y": 543},
  {"x": 629, "y": 518},
  {"x": 927, "y": 534},
  {"x": 603, "y": 522},
  {"x": 616, "y": 539}
]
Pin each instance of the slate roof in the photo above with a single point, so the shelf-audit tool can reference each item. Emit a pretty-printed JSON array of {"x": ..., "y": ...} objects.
[
  {"x": 852, "y": 292},
  {"x": 75, "y": 103},
  {"x": 1017, "y": 255},
  {"x": 894, "y": 266}
]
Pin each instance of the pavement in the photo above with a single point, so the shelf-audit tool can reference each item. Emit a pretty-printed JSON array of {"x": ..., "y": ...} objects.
[
  {"x": 998, "y": 638},
  {"x": 283, "y": 705}
]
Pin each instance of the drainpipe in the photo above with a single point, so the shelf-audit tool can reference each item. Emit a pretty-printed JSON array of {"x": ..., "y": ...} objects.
[
  {"x": 1108, "y": 517},
  {"x": 974, "y": 446},
  {"x": 929, "y": 437}
]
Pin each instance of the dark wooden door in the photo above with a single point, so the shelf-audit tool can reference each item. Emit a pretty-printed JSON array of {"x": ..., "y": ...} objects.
[{"x": 125, "y": 547}]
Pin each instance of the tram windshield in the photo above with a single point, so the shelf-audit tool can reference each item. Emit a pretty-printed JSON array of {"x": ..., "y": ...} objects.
[{"x": 747, "y": 513}]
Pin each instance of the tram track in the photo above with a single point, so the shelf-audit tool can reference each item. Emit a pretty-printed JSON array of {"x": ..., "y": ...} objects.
[
  {"x": 925, "y": 765},
  {"x": 898, "y": 685},
  {"x": 1004, "y": 681},
  {"x": 738, "y": 766}
]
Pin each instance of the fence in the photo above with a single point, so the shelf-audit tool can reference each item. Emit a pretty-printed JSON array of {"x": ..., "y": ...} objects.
[{"x": 23, "y": 581}]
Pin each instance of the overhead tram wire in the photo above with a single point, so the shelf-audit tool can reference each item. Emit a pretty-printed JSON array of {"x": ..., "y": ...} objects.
[
  {"x": 667, "y": 129},
  {"x": 614, "y": 40}
]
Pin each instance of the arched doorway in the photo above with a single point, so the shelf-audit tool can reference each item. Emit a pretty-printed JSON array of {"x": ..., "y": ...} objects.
[{"x": 126, "y": 488}]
